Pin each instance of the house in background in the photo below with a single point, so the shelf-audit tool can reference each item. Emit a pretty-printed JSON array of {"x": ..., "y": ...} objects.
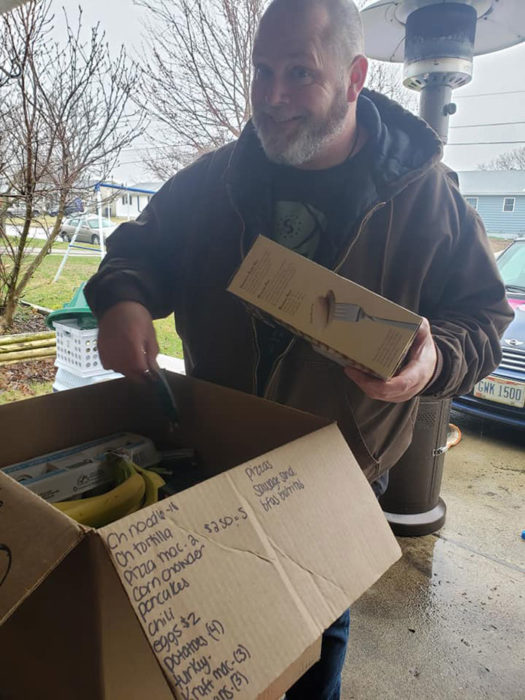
[
  {"x": 499, "y": 198},
  {"x": 135, "y": 198},
  {"x": 120, "y": 201}
]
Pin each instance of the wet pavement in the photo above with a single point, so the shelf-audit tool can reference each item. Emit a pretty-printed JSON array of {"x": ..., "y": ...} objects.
[{"x": 448, "y": 620}]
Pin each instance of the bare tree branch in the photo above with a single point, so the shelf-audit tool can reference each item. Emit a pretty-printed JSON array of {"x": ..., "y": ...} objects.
[
  {"x": 511, "y": 160},
  {"x": 196, "y": 79},
  {"x": 67, "y": 118}
]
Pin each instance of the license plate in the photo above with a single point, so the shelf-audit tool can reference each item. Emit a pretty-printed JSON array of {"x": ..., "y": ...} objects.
[{"x": 501, "y": 391}]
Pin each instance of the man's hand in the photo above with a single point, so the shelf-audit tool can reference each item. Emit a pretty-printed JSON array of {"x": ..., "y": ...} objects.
[
  {"x": 127, "y": 341},
  {"x": 414, "y": 376}
]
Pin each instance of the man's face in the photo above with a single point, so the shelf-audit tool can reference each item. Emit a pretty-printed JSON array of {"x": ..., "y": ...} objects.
[{"x": 299, "y": 97}]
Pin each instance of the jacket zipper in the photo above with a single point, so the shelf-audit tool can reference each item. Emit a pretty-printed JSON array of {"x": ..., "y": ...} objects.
[
  {"x": 275, "y": 366},
  {"x": 366, "y": 218},
  {"x": 254, "y": 330},
  {"x": 280, "y": 358}
]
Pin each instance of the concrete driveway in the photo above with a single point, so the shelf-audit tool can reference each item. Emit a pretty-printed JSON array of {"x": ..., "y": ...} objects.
[{"x": 447, "y": 621}]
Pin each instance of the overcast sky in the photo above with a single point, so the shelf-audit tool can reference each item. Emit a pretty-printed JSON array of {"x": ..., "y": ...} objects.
[{"x": 496, "y": 94}]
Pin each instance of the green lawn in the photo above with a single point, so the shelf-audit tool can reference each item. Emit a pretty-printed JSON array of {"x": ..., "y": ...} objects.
[
  {"x": 38, "y": 243},
  {"x": 42, "y": 291},
  {"x": 37, "y": 221}
]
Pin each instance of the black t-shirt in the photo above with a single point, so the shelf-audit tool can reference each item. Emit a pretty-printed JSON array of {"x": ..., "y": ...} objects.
[
  {"x": 314, "y": 209},
  {"x": 314, "y": 214}
]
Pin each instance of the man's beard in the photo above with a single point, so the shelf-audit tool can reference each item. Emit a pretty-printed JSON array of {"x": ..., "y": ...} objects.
[{"x": 311, "y": 136}]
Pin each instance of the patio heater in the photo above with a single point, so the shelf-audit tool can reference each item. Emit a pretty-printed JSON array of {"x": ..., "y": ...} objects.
[{"x": 437, "y": 41}]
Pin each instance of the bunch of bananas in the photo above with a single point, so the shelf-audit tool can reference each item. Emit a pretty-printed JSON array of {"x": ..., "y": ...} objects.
[{"x": 135, "y": 488}]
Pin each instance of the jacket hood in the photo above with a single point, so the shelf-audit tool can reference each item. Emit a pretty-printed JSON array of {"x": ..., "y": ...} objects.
[{"x": 405, "y": 145}]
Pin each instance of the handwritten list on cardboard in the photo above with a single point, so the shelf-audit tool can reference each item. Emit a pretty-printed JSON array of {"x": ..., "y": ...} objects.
[
  {"x": 172, "y": 562},
  {"x": 227, "y": 597}
]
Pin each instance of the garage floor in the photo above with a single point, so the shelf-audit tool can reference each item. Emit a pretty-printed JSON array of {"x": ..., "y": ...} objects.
[{"x": 448, "y": 620}]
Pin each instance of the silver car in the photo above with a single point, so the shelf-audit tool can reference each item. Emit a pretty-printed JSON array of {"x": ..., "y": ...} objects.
[{"x": 89, "y": 231}]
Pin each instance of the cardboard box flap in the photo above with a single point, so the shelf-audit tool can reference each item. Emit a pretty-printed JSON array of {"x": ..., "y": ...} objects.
[
  {"x": 210, "y": 608},
  {"x": 34, "y": 538},
  {"x": 129, "y": 669},
  {"x": 47, "y": 643},
  {"x": 317, "y": 485},
  {"x": 276, "y": 548},
  {"x": 293, "y": 672}
]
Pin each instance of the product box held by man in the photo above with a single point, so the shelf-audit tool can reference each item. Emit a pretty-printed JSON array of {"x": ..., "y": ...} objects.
[{"x": 343, "y": 320}]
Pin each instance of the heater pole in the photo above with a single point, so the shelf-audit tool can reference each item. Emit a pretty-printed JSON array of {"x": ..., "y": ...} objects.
[{"x": 435, "y": 107}]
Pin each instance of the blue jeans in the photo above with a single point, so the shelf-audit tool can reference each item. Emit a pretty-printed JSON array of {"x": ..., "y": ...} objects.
[{"x": 323, "y": 680}]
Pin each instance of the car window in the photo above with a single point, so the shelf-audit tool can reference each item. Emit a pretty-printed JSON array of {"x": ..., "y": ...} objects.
[
  {"x": 93, "y": 223},
  {"x": 73, "y": 222},
  {"x": 511, "y": 265}
]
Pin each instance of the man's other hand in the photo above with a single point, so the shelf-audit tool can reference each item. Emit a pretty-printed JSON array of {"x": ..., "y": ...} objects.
[
  {"x": 127, "y": 341},
  {"x": 414, "y": 376}
]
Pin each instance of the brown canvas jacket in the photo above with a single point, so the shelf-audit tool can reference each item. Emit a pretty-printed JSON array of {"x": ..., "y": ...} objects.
[{"x": 416, "y": 242}]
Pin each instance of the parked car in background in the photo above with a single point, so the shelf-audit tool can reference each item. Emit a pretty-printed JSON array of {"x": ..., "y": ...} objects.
[
  {"x": 89, "y": 231},
  {"x": 501, "y": 395},
  {"x": 18, "y": 211}
]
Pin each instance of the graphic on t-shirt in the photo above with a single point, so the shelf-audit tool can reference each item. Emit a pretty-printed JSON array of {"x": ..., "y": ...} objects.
[{"x": 298, "y": 226}]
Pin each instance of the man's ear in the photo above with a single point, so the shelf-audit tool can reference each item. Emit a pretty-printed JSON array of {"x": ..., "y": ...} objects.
[{"x": 358, "y": 71}]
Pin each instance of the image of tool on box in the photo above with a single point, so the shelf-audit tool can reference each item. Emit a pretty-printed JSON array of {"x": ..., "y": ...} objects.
[
  {"x": 349, "y": 179},
  {"x": 327, "y": 309}
]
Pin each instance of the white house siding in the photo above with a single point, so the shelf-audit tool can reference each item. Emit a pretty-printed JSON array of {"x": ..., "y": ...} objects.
[{"x": 130, "y": 204}]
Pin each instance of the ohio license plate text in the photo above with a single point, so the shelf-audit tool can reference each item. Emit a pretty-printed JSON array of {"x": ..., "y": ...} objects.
[{"x": 501, "y": 391}]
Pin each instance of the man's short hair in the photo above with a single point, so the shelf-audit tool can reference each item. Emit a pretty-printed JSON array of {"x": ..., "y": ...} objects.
[{"x": 344, "y": 34}]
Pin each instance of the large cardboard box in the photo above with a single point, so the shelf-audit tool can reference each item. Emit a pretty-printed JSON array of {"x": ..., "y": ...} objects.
[
  {"x": 220, "y": 591},
  {"x": 343, "y": 320}
]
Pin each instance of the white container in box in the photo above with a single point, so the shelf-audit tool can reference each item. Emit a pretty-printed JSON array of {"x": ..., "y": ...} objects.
[
  {"x": 48, "y": 474},
  {"x": 38, "y": 466},
  {"x": 81, "y": 475}
]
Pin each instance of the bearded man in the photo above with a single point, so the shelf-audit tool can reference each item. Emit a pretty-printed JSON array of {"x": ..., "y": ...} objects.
[{"x": 349, "y": 179}]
